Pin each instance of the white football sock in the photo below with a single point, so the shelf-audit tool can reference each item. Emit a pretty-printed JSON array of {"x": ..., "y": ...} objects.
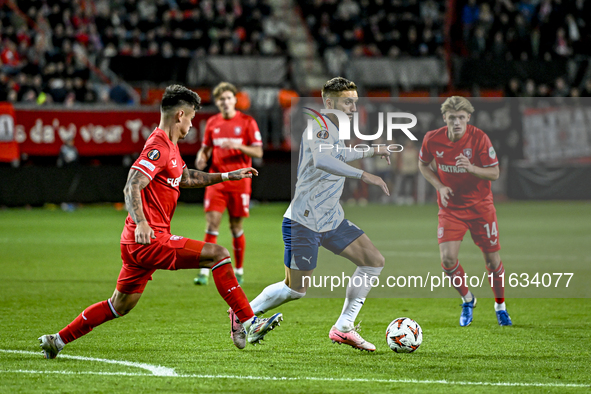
[
  {"x": 355, "y": 296},
  {"x": 204, "y": 271},
  {"x": 500, "y": 307},
  {"x": 248, "y": 323},
  {"x": 468, "y": 297},
  {"x": 272, "y": 296},
  {"x": 238, "y": 271}
]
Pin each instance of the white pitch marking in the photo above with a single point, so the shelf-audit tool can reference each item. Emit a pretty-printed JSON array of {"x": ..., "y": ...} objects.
[
  {"x": 169, "y": 372},
  {"x": 156, "y": 370},
  {"x": 317, "y": 379}
]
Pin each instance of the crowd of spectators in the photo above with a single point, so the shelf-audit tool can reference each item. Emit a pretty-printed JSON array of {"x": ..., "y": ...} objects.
[
  {"x": 50, "y": 46},
  {"x": 526, "y": 29},
  {"x": 374, "y": 28}
]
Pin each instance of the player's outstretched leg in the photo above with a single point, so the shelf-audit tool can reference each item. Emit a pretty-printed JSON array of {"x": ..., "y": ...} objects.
[
  {"x": 370, "y": 263},
  {"x": 255, "y": 328},
  {"x": 272, "y": 296},
  {"x": 90, "y": 318}
]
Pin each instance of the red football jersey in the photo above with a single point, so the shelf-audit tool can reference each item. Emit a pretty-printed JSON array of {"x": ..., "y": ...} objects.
[
  {"x": 160, "y": 161},
  {"x": 472, "y": 195},
  {"x": 241, "y": 129}
]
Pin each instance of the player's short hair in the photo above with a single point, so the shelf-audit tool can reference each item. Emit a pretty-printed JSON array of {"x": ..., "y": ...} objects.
[
  {"x": 335, "y": 86},
  {"x": 457, "y": 103},
  {"x": 224, "y": 87},
  {"x": 177, "y": 95}
]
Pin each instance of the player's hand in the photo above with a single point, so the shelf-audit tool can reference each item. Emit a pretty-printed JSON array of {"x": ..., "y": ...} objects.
[
  {"x": 463, "y": 162},
  {"x": 144, "y": 233},
  {"x": 383, "y": 152},
  {"x": 445, "y": 193},
  {"x": 200, "y": 163},
  {"x": 242, "y": 173},
  {"x": 230, "y": 145},
  {"x": 371, "y": 179}
]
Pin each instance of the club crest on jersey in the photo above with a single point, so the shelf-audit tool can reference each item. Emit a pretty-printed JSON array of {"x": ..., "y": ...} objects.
[
  {"x": 322, "y": 134},
  {"x": 237, "y": 130},
  {"x": 468, "y": 153},
  {"x": 154, "y": 154},
  {"x": 216, "y": 130}
]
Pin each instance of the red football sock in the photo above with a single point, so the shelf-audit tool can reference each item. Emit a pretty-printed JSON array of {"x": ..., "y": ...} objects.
[
  {"x": 496, "y": 283},
  {"x": 238, "y": 243},
  {"x": 230, "y": 290},
  {"x": 457, "y": 271},
  {"x": 211, "y": 238},
  {"x": 91, "y": 317}
]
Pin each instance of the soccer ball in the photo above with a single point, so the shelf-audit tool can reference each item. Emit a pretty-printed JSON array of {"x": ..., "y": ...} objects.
[{"x": 404, "y": 335}]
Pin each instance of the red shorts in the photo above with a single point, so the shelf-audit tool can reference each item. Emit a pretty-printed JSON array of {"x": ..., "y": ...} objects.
[
  {"x": 168, "y": 253},
  {"x": 218, "y": 200},
  {"x": 484, "y": 230}
]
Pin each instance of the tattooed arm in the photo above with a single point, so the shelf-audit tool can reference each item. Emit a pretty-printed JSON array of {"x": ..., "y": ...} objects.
[
  {"x": 136, "y": 181},
  {"x": 194, "y": 178}
]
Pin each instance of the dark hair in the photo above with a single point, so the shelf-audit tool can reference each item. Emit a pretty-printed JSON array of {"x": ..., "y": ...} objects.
[
  {"x": 224, "y": 87},
  {"x": 337, "y": 85},
  {"x": 178, "y": 95}
]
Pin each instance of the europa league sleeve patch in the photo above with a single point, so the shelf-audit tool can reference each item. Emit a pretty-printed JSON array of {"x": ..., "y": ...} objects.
[
  {"x": 154, "y": 154},
  {"x": 322, "y": 134}
]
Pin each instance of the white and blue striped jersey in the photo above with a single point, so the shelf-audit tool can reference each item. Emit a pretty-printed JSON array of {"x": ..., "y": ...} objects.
[{"x": 315, "y": 204}]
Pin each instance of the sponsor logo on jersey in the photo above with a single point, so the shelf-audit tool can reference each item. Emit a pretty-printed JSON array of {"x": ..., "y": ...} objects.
[
  {"x": 174, "y": 182},
  {"x": 492, "y": 153},
  {"x": 154, "y": 154},
  {"x": 257, "y": 135},
  {"x": 220, "y": 141},
  {"x": 468, "y": 153},
  {"x": 147, "y": 164},
  {"x": 439, "y": 154},
  {"x": 440, "y": 232},
  {"x": 306, "y": 213},
  {"x": 237, "y": 130},
  {"x": 322, "y": 134},
  {"x": 173, "y": 163},
  {"x": 452, "y": 169},
  {"x": 175, "y": 237}
]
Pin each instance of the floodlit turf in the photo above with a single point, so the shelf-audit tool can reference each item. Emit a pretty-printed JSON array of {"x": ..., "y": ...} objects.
[{"x": 53, "y": 264}]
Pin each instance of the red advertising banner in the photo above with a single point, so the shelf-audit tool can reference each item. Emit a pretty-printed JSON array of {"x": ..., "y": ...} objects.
[
  {"x": 95, "y": 132},
  {"x": 8, "y": 145}
]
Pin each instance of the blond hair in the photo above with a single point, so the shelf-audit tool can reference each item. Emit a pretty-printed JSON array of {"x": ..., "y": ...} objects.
[
  {"x": 457, "y": 103},
  {"x": 224, "y": 87}
]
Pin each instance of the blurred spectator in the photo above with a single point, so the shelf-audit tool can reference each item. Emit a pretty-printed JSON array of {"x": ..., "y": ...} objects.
[
  {"x": 408, "y": 168},
  {"x": 513, "y": 88},
  {"x": 68, "y": 156}
]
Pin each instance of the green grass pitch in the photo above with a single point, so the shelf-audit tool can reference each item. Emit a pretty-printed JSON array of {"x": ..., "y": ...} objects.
[{"x": 53, "y": 264}]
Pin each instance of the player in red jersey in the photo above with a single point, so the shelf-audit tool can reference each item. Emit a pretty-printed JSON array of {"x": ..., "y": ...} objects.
[
  {"x": 231, "y": 139},
  {"x": 151, "y": 195},
  {"x": 466, "y": 164}
]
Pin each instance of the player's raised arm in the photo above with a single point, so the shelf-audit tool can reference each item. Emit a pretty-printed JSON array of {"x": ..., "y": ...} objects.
[
  {"x": 195, "y": 178},
  {"x": 136, "y": 181}
]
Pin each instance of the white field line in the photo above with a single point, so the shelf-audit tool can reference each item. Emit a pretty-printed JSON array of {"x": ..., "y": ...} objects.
[
  {"x": 159, "y": 371},
  {"x": 156, "y": 370}
]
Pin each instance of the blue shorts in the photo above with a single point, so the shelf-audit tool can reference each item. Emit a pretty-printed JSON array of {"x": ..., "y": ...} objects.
[{"x": 301, "y": 243}]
